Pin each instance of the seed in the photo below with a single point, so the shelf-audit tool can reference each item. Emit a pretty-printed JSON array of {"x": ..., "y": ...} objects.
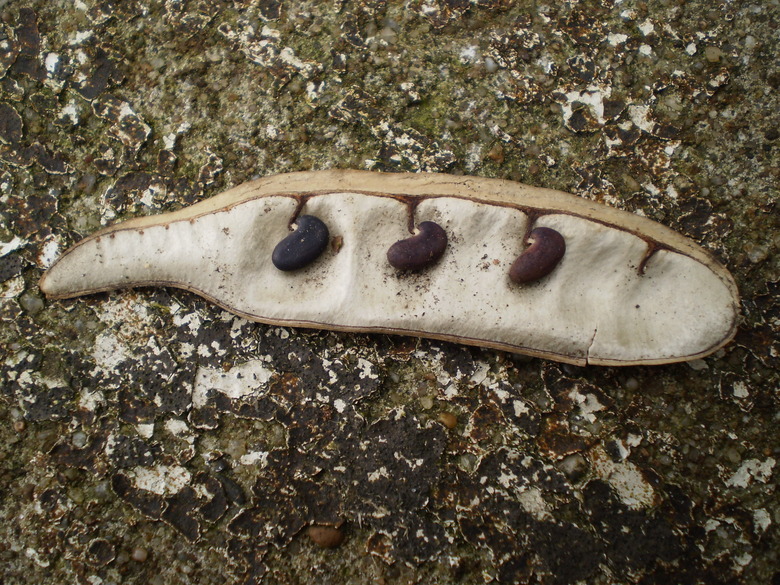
[
  {"x": 303, "y": 246},
  {"x": 540, "y": 258},
  {"x": 325, "y": 536},
  {"x": 420, "y": 251}
]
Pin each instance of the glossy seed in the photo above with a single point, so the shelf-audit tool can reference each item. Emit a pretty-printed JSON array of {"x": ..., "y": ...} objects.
[
  {"x": 420, "y": 251},
  {"x": 303, "y": 246},
  {"x": 540, "y": 258}
]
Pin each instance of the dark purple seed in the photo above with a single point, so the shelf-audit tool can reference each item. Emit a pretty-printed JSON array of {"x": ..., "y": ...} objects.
[
  {"x": 420, "y": 251},
  {"x": 303, "y": 246},
  {"x": 540, "y": 258}
]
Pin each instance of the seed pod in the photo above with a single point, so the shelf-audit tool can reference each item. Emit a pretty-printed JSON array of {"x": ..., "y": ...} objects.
[
  {"x": 303, "y": 246},
  {"x": 629, "y": 290},
  {"x": 540, "y": 258},
  {"x": 419, "y": 251}
]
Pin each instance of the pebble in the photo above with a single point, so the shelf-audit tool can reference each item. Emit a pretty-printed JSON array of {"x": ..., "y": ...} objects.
[
  {"x": 631, "y": 183},
  {"x": 713, "y": 54},
  {"x": 219, "y": 465},
  {"x": 31, "y": 304},
  {"x": 78, "y": 439},
  {"x": 325, "y": 536},
  {"x": 631, "y": 384},
  {"x": 102, "y": 491},
  {"x": 732, "y": 455},
  {"x": 448, "y": 419},
  {"x": 139, "y": 554},
  {"x": 236, "y": 449},
  {"x": 496, "y": 153},
  {"x": 697, "y": 365},
  {"x": 28, "y": 492},
  {"x": 122, "y": 558},
  {"x": 574, "y": 466},
  {"x": 756, "y": 253},
  {"x": 101, "y": 552}
]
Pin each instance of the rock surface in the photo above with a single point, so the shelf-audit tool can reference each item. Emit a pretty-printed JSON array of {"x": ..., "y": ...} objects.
[{"x": 152, "y": 438}]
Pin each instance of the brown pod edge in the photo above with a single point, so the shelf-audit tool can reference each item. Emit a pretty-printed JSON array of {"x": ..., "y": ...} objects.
[{"x": 540, "y": 258}]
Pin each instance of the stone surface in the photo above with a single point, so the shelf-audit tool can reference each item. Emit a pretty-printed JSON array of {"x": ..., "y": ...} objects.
[{"x": 211, "y": 444}]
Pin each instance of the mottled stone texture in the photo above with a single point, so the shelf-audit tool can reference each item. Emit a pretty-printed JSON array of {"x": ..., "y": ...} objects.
[{"x": 151, "y": 438}]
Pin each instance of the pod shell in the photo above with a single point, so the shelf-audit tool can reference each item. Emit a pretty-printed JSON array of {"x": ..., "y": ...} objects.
[{"x": 628, "y": 290}]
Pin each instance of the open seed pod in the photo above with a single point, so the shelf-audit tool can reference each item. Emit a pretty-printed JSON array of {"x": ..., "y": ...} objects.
[{"x": 623, "y": 289}]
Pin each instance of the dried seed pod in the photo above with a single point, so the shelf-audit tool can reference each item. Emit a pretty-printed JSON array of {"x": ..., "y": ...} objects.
[
  {"x": 540, "y": 258},
  {"x": 629, "y": 290},
  {"x": 420, "y": 251},
  {"x": 303, "y": 246}
]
